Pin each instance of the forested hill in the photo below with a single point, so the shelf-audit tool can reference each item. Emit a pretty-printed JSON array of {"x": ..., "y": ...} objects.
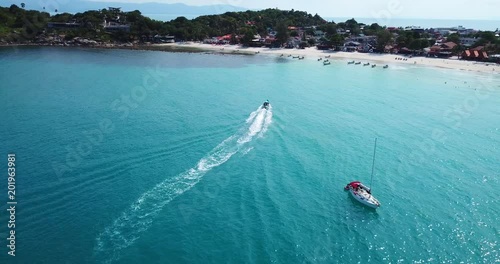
[{"x": 18, "y": 24}]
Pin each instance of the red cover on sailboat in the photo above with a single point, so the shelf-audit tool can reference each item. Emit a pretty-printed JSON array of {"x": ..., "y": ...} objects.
[{"x": 354, "y": 184}]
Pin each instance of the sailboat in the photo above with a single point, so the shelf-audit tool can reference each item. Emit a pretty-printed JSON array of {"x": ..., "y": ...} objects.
[{"x": 362, "y": 193}]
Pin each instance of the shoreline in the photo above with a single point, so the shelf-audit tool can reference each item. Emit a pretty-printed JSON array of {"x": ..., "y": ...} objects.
[
  {"x": 379, "y": 59},
  {"x": 308, "y": 53}
]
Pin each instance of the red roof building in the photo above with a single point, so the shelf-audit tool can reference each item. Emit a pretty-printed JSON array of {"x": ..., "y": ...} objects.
[{"x": 475, "y": 55}]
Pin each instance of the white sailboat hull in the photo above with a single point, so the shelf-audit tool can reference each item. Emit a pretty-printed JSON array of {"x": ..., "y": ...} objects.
[{"x": 365, "y": 198}]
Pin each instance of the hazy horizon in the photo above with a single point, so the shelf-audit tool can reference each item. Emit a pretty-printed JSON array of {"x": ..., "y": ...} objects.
[{"x": 377, "y": 9}]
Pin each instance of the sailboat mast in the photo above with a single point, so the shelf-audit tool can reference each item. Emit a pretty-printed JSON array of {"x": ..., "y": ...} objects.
[{"x": 373, "y": 163}]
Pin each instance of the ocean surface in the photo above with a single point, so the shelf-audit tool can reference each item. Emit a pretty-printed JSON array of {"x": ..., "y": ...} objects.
[
  {"x": 478, "y": 24},
  {"x": 154, "y": 157}
]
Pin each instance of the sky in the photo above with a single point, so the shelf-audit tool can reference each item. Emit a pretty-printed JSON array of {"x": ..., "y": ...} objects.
[{"x": 378, "y": 9}]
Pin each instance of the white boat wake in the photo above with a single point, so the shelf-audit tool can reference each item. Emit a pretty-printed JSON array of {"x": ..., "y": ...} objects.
[{"x": 138, "y": 217}]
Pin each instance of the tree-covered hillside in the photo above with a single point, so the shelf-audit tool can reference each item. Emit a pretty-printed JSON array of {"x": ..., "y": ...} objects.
[{"x": 17, "y": 24}]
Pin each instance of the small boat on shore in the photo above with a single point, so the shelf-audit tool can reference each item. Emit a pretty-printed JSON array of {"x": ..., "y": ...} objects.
[
  {"x": 374, "y": 65},
  {"x": 386, "y": 66},
  {"x": 327, "y": 56},
  {"x": 295, "y": 57},
  {"x": 301, "y": 58},
  {"x": 320, "y": 59},
  {"x": 366, "y": 64},
  {"x": 326, "y": 62},
  {"x": 357, "y": 63},
  {"x": 350, "y": 62},
  {"x": 361, "y": 192}
]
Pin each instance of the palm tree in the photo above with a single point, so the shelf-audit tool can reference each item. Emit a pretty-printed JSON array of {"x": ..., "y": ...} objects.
[{"x": 23, "y": 5}]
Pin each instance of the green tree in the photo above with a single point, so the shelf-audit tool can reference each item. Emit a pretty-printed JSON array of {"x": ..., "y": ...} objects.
[
  {"x": 424, "y": 43},
  {"x": 375, "y": 27},
  {"x": 14, "y": 9},
  {"x": 336, "y": 40},
  {"x": 383, "y": 38},
  {"x": 453, "y": 38},
  {"x": 248, "y": 36},
  {"x": 23, "y": 5},
  {"x": 282, "y": 33},
  {"x": 330, "y": 28},
  {"x": 311, "y": 42},
  {"x": 415, "y": 44},
  {"x": 488, "y": 36}
]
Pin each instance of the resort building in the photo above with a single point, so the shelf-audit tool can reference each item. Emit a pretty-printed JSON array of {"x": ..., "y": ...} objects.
[
  {"x": 164, "y": 39},
  {"x": 361, "y": 38},
  {"x": 59, "y": 25},
  {"x": 467, "y": 42},
  {"x": 115, "y": 26},
  {"x": 442, "y": 50},
  {"x": 415, "y": 29},
  {"x": 475, "y": 55}
]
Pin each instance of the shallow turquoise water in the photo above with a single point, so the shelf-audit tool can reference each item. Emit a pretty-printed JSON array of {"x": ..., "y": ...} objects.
[{"x": 186, "y": 169}]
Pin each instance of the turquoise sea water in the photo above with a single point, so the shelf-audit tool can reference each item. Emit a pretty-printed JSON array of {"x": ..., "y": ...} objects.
[
  {"x": 478, "y": 24},
  {"x": 153, "y": 157}
]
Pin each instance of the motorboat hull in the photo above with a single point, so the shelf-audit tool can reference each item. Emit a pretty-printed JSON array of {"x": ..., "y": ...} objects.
[{"x": 266, "y": 105}]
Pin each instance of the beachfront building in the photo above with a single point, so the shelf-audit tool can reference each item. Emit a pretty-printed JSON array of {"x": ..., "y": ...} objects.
[
  {"x": 164, "y": 39},
  {"x": 495, "y": 58},
  {"x": 226, "y": 39},
  {"x": 443, "y": 50},
  {"x": 475, "y": 55},
  {"x": 351, "y": 46}
]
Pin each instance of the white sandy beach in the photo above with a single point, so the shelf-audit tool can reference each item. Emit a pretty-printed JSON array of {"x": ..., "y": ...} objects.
[{"x": 379, "y": 59}]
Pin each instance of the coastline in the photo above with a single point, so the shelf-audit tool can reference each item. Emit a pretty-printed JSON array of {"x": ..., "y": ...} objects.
[
  {"x": 308, "y": 53},
  {"x": 379, "y": 59}
]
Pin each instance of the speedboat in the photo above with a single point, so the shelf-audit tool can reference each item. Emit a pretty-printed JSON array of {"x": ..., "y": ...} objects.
[
  {"x": 362, "y": 194},
  {"x": 265, "y": 105}
]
